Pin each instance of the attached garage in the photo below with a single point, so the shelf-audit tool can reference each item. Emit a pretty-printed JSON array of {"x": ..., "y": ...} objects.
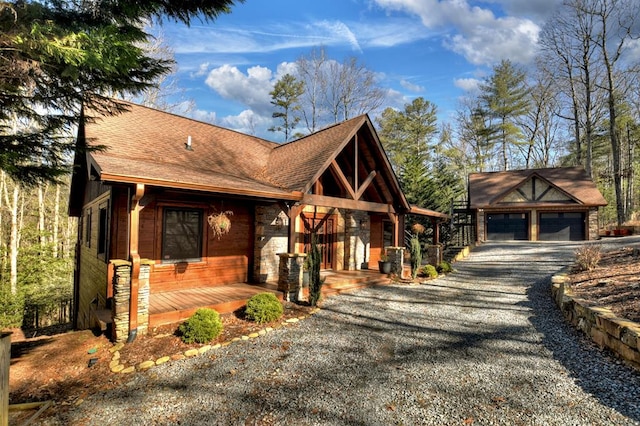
[
  {"x": 507, "y": 226},
  {"x": 556, "y": 204},
  {"x": 563, "y": 226}
]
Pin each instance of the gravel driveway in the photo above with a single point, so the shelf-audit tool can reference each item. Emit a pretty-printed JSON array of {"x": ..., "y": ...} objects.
[{"x": 483, "y": 346}]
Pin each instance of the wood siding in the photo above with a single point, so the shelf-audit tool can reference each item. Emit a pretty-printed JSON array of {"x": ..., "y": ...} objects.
[
  {"x": 92, "y": 268},
  {"x": 375, "y": 251},
  {"x": 225, "y": 260}
]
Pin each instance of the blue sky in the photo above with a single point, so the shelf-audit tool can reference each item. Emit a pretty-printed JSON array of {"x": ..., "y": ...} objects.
[{"x": 435, "y": 49}]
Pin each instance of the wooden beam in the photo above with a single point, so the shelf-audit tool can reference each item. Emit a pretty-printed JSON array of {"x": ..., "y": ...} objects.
[
  {"x": 293, "y": 213},
  {"x": 344, "y": 203},
  {"x": 366, "y": 184},
  {"x": 343, "y": 179},
  {"x": 134, "y": 256}
]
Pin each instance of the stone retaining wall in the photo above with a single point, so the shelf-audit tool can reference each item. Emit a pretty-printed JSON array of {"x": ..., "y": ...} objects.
[{"x": 605, "y": 329}]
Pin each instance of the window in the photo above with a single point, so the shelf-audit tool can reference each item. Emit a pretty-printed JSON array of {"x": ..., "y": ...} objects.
[
  {"x": 103, "y": 226},
  {"x": 87, "y": 228},
  {"x": 181, "y": 235}
]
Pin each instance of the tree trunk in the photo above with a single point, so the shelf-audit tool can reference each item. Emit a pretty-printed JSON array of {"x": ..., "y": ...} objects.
[{"x": 56, "y": 222}]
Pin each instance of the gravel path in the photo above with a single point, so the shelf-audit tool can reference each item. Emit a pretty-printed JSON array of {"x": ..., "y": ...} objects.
[{"x": 483, "y": 346}]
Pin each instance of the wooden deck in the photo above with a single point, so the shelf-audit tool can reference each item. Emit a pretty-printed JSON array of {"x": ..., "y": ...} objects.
[{"x": 175, "y": 306}]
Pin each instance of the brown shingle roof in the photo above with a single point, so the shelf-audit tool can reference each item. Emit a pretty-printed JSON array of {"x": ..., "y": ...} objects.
[
  {"x": 144, "y": 144},
  {"x": 485, "y": 189},
  {"x": 294, "y": 165},
  {"x": 147, "y": 144}
]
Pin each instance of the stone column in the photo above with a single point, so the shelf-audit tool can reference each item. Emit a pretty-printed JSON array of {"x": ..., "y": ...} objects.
[
  {"x": 121, "y": 296},
  {"x": 434, "y": 254},
  {"x": 396, "y": 257},
  {"x": 290, "y": 275}
]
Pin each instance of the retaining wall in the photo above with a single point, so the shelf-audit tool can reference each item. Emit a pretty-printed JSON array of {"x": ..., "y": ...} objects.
[{"x": 603, "y": 326}]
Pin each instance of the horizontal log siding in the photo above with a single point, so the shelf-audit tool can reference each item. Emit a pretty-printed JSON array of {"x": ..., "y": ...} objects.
[
  {"x": 225, "y": 261},
  {"x": 93, "y": 269}
]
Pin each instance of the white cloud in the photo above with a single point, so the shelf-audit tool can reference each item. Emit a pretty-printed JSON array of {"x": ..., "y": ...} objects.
[
  {"x": 206, "y": 116},
  {"x": 247, "y": 122},
  {"x": 250, "y": 89},
  {"x": 475, "y": 32},
  {"x": 410, "y": 86},
  {"x": 341, "y": 31},
  {"x": 467, "y": 84}
]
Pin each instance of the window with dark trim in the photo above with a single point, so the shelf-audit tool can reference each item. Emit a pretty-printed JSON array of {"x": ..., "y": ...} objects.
[
  {"x": 103, "y": 227},
  {"x": 87, "y": 228},
  {"x": 181, "y": 235}
]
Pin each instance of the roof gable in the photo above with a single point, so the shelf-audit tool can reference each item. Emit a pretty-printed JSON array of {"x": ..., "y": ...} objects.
[
  {"x": 349, "y": 154},
  {"x": 534, "y": 187}
]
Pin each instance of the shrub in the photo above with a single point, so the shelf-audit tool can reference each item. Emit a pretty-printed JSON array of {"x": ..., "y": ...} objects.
[
  {"x": 444, "y": 267},
  {"x": 315, "y": 282},
  {"x": 430, "y": 271},
  {"x": 587, "y": 257},
  {"x": 416, "y": 256},
  {"x": 264, "y": 307},
  {"x": 12, "y": 308},
  {"x": 203, "y": 326}
]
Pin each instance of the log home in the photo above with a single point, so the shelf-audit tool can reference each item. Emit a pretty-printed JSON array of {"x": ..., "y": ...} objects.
[{"x": 176, "y": 214}]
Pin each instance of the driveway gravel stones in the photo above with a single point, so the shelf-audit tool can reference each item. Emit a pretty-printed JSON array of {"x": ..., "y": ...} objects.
[{"x": 484, "y": 345}]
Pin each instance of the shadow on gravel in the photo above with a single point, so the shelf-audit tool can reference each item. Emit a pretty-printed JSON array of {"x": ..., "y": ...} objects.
[{"x": 595, "y": 370}]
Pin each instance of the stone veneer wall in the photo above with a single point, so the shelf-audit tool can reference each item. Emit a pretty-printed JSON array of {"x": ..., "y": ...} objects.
[
  {"x": 593, "y": 224},
  {"x": 357, "y": 240},
  {"x": 271, "y": 239},
  {"x": 122, "y": 295},
  {"x": 481, "y": 236},
  {"x": 605, "y": 329}
]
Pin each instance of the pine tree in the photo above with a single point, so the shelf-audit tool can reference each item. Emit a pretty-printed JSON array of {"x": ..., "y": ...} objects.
[
  {"x": 285, "y": 96},
  {"x": 505, "y": 99}
]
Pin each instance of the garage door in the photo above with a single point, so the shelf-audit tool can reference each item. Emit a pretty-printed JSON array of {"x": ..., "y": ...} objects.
[
  {"x": 507, "y": 226},
  {"x": 562, "y": 226}
]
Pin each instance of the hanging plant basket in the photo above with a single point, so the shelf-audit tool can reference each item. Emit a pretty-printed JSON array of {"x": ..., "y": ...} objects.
[{"x": 219, "y": 222}]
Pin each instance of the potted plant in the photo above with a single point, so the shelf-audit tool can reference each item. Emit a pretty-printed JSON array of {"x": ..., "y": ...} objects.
[{"x": 383, "y": 264}]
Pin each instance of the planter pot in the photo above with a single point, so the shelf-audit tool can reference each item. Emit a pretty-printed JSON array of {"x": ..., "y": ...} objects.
[
  {"x": 617, "y": 232},
  {"x": 384, "y": 267}
]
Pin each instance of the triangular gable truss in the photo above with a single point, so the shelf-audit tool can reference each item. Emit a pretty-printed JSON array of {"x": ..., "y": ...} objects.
[
  {"x": 535, "y": 190},
  {"x": 362, "y": 172}
]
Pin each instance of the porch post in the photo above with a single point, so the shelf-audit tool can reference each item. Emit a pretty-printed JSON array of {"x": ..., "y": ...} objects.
[
  {"x": 436, "y": 231},
  {"x": 293, "y": 212},
  {"x": 134, "y": 238}
]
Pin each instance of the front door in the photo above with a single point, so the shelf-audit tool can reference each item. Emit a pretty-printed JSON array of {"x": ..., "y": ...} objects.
[{"x": 324, "y": 227}]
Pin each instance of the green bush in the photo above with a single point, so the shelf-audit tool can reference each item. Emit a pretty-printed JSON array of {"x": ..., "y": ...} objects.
[
  {"x": 12, "y": 308},
  {"x": 444, "y": 267},
  {"x": 430, "y": 271},
  {"x": 264, "y": 307},
  {"x": 203, "y": 326}
]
